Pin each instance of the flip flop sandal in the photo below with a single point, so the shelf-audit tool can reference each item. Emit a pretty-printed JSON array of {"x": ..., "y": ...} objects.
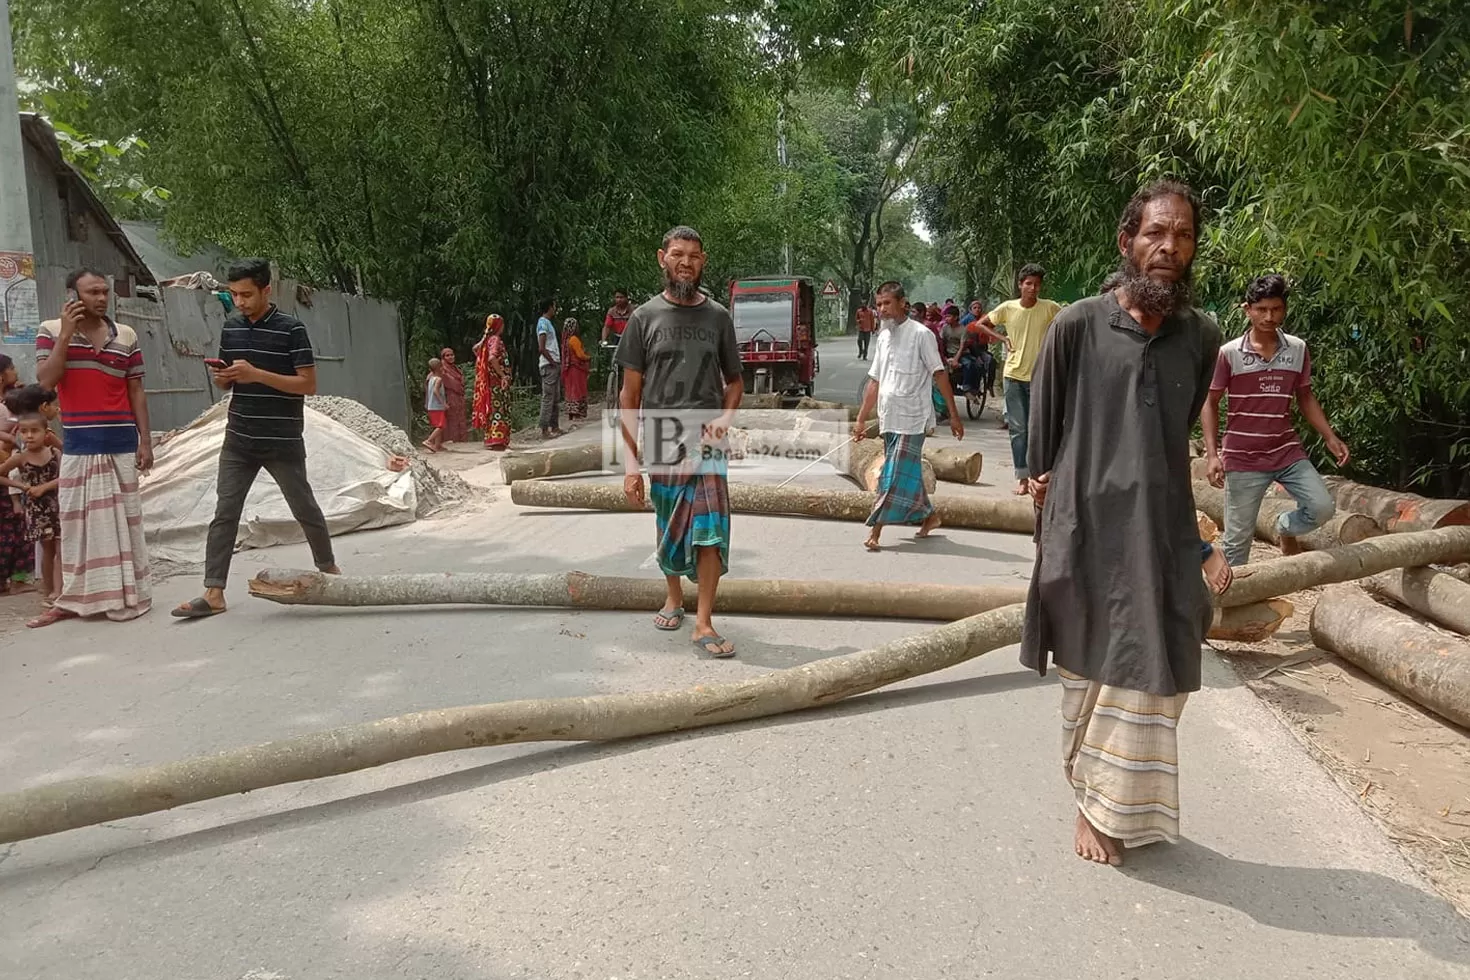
[
  {"x": 711, "y": 645},
  {"x": 49, "y": 618},
  {"x": 668, "y": 621},
  {"x": 196, "y": 609}
]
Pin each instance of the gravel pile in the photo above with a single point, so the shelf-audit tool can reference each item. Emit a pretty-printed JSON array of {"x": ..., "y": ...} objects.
[{"x": 436, "y": 488}]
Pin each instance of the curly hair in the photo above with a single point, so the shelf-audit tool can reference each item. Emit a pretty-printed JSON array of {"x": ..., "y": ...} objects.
[
  {"x": 1270, "y": 286},
  {"x": 1132, "y": 217}
]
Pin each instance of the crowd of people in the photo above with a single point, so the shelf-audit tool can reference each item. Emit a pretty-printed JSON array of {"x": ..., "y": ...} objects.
[{"x": 1101, "y": 398}]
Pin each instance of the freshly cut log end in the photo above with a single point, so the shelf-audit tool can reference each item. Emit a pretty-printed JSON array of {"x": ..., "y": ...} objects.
[
  {"x": 1397, "y": 511},
  {"x": 289, "y": 585},
  {"x": 1208, "y": 529},
  {"x": 954, "y": 465},
  {"x": 1252, "y": 623},
  {"x": 1428, "y": 667}
]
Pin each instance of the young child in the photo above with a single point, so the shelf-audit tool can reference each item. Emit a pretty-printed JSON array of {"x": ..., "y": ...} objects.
[
  {"x": 39, "y": 469},
  {"x": 436, "y": 403}
]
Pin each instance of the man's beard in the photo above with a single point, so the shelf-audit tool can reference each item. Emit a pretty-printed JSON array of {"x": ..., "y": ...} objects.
[
  {"x": 889, "y": 321},
  {"x": 683, "y": 292},
  {"x": 1155, "y": 296}
]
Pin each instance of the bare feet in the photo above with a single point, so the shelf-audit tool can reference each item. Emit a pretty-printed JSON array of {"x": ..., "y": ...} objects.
[
  {"x": 871, "y": 542},
  {"x": 332, "y": 570},
  {"x": 1095, "y": 846},
  {"x": 930, "y": 524},
  {"x": 1022, "y": 488},
  {"x": 1290, "y": 545},
  {"x": 49, "y": 617}
]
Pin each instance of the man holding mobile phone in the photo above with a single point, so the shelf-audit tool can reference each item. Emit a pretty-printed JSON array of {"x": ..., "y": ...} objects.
[
  {"x": 267, "y": 364},
  {"x": 96, "y": 368}
]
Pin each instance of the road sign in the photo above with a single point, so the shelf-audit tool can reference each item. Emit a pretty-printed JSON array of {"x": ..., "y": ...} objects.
[{"x": 830, "y": 290}]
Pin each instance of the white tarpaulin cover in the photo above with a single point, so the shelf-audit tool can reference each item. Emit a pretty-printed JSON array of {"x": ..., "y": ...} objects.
[{"x": 350, "y": 475}]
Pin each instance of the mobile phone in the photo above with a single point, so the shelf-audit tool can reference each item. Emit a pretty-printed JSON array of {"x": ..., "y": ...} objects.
[
  {"x": 215, "y": 364},
  {"x": 71, "y": 295}
]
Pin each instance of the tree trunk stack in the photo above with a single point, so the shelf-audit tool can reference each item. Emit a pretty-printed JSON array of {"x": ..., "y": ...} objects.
[
  {"x": 1430, "y": 668},
  {"x": 1435, "y": 594},
  {"x": 1341, "y": 529}
]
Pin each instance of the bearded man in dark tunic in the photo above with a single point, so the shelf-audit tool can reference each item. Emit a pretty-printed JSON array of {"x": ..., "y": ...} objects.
[{"x": 1117, "y": 599}]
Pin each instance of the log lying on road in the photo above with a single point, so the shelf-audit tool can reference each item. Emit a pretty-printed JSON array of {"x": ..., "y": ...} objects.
[
  {"x": 1397, "y": 511},
  {"x": 1341, "y": 529},
  {"x": 1429, "y": 592},
  {"x": 1283, "y": 576},
  {"x": 551, "y": 462},
  {"x": 815, "y": 403},
  {"x": 1430, "y": 668},
  {"x": 863, "y": 465},
  {"x": 979, "y": 513},
  {"x": 579, "y": 590},
  {"x": 954, "y": 465},
  {"x": 59, "y": 806}
]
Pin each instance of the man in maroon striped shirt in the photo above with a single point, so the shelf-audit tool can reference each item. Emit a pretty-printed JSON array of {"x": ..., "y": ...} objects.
[{"x": 1261, "y": 371}]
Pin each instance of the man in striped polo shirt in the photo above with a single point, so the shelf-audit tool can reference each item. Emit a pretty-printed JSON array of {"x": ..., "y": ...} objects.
[
  {"x": 96, "y": 368},
  {"x": 1261, "y": 372},
  {"x": 269, "y": 369}
]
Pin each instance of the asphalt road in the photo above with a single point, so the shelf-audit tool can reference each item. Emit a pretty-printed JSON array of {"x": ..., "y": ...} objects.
[{"x": 920, "y": 832}]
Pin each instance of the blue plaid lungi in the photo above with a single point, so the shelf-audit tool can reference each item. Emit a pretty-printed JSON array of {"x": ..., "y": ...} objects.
[
  {"x": 692, "y": 510},
  {"x": 901, "y": 496}
]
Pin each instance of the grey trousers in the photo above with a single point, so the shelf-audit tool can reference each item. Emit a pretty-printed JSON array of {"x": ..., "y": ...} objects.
[
  {"x": 237, "y": 472},
  {"x": 550, "y": 396}
]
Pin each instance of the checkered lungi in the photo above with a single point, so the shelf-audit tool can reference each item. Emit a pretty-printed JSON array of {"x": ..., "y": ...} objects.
[
  {"x": 692, "y": 510},
  {"x": 901, "y": 495}
]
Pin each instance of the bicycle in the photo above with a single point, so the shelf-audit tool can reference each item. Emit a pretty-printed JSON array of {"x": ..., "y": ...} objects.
[{"x": 614, "y": 375}]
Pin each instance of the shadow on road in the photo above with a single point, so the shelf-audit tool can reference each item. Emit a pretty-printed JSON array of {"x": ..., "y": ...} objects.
[{"x": 1321, "y": 901}]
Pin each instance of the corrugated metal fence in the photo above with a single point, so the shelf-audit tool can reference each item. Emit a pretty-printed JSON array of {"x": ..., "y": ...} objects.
[{"x": 359, "y": 350}]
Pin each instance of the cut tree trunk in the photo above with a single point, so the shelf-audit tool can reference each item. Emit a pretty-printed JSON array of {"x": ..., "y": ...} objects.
[
  {"x": 1283, "y": 576},
  {"x": 1430, "y": 592},
  {"x": 864, "y": 465},
  {"x": 1340, "y": 529},
  {"x": 769, "y": 597},
  {"x": 745, "y": 443},
  {"x": 1396, "y": 511},
  {"x": 1208, "y": 529},
  {"x": 578, "y": 590},
  {"x": 1252, "y": 623},
  {"x": 980, "y": 513},
  {"x": 954, "y": 465},
  {"x": 813, "y": 403},
  {"x": 70, "y": 803},
  {"x": 1430, "y": 668},
  {"x": 552, "y": 462}
]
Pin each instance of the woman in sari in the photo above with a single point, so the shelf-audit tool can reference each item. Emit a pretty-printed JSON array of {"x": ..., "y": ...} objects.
[
  {"x": 492, "y": 385},
  {"x": 456, "y": 420},
  {"x": 575, "y": 366}
]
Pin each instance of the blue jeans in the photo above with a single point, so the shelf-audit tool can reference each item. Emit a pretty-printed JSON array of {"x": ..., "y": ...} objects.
[
  {"x": 1244, "y": 492},
  {"x": 974, "y": 371},
  {"x": 1018, "y": 414}
]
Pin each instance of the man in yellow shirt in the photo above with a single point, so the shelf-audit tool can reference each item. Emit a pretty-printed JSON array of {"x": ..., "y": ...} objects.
[{"x": 1026, "y": 321}]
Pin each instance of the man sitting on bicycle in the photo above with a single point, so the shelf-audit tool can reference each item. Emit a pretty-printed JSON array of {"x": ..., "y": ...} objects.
[
  {"x": 975, "y": 360},
  {"x": 617, "y": 318}
]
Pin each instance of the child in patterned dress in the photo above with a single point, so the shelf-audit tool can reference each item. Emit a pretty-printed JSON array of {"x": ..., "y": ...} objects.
[{"x": 38, "y": 466}]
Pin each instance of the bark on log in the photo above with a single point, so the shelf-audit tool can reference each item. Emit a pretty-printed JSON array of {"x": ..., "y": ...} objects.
[
  {"x": 814, "y": 403},
  {"x": 1250, "y": 624},
  {"x": 1283, "y": 576},
  {"x": 1429, "y": 592},
  {"x": 954, "y": 465},
  {"x": 1340, "y": 529},
  {"x": 1396, "y": 511},
  {"x": 864, "y": 465},
  {"x": 1427, "y": 667},
  {"x": 551, "y": 462},
  {"x": 745, "y": 443},
  {"x": 63, "y": 805},
  {"x": 770, "y": 597},
  {"x": 579, "y": 590},
  {"x": 979, "y": 513}
]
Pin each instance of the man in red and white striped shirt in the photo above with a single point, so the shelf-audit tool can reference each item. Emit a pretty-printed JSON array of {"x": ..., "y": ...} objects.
[{"x": 1261, "y": 372}]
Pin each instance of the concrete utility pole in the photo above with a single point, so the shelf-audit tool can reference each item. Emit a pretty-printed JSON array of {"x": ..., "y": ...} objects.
[
  {"x": 18, "y": 313},
  {"x": 781, "y": 158}
]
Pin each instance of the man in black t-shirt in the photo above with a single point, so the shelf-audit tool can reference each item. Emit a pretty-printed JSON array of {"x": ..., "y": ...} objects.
[{"x": 266, "y": 361}]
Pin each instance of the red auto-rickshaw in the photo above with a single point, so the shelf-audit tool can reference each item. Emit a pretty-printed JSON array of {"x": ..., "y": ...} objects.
[{"x": 776, "y": 330}]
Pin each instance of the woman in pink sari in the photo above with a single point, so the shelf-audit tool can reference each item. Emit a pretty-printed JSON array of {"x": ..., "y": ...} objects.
[
  {"x": 456, "y": 419},
  {"x": 492, "y": 385}
]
